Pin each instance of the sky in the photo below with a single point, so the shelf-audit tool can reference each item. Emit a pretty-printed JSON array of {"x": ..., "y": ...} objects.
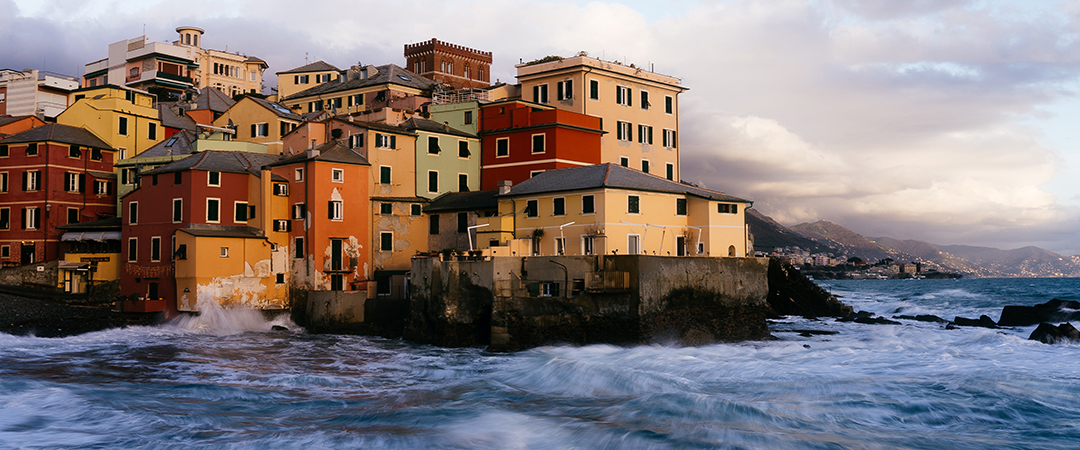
[{"x": 948, "y": 121}]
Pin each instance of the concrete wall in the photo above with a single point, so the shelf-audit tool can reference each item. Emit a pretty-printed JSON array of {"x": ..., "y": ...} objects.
[
  {"x": 38, "y": 275},
  {"x": 349, "y": 312}
]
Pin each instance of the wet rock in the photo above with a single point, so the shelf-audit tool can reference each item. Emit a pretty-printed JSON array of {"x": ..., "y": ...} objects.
[
  {"x": 867, "y": 318},
  {"x": 983, "y": 321},
  {"x": 923, "y": 318},
  {"x": 792, "y": 294},
  {"x": 809, "y": 333},
  {"x": 1052, "y": 311},
  {"x": 279, "y": 328},
  {"x": 1049, "y": 334}
]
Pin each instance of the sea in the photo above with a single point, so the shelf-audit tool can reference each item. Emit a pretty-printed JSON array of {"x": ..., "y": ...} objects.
[{"x": 227, "y": 380}]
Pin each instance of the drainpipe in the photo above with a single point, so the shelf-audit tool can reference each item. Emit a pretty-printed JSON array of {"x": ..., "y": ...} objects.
[
  {"x": 308, "y": 205},
  {"x": 566, "y": 279}
]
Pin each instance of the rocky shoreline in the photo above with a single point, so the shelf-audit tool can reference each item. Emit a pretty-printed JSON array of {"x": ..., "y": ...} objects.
[{"x": 23, "y": 315}]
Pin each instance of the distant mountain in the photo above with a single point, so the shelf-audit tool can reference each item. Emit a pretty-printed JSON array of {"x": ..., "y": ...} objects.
[{"x": 828, "y": 237}]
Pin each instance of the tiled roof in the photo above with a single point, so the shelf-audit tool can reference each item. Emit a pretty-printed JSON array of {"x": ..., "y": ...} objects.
[
  {"x": 179, "y": 143},
  {"x": 4, "y": 120},
  {"x": 214, "y": 100},
  {"x": 388, "y": 73},
  {"x": 317, "y": 66},
  {"x": 171, "y": 119},
  {"x": 54, "y": 132},
  {"x": 104, "y": 224},
  {"x": 222, "y": 231},
  {"x": 377, "y": 126},
  {"x": 401, "y": 199},
  {"x": 277, "y": 108},
  {"x": 331, "y": 152},
  {"x": 464, "y": 201},
  {"x": 220, "y": 161},
  {"x": 257, "y": 60},
  {"x": 611, "y": 176},
  {"x": 419, "y": 123}
]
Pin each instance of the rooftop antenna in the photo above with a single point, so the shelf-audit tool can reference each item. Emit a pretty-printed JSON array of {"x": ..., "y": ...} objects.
[{"x": 305, "y": 58}]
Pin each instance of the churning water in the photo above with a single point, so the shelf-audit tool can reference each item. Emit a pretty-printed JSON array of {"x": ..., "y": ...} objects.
[{"x": 226, "y": 380}]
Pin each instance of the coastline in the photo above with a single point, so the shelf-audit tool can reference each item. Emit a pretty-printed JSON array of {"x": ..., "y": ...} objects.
[{"x": 23, "y": 316}]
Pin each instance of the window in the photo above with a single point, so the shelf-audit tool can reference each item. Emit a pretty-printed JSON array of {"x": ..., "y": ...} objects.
[
  {"x": 356, "y": 140},
  {"x": 594, "y": 89},
  {"x": 282, "y": 225},
  {"x": 281, "y": 189},
  {"x": 415, "y": 209},
  {"x": 433, "y": 181},
  {"x": 133, "y": 249},
  {"x": 565, "y": 89},
  {"x": 433, "y": 224},
  {"x": 31, "y": 218},
  {"x": 153, "y": 180},
  {"x": 632, "y": 204},
  {"x": 178, "y": 178},
  {"x": 622, "y": 96},
  {"x": 531, "y": 209},
  {"x": 623, "y": 132},
  {"x": 384, "y": 174},
  {"x": 301, "y": 79},
  {"x": 298, "y": 175},
  {"x": 669, "y": 138},
  {"x": 155, "y": 249},
  {"x": 587, "y": 205},
  {"x": 671, "y": 171},
  {"x": 213, "y": 178},
  {"x": 299, "y": 211},
  {"x": 337, "y": 175},
  {"x": 31, "y": 180},
  {"x": 335, "y": 254},
  {"x": 385, "y": 141},
  {"x": 386, "y": 208},
  {"x": 4, "y": 182},
  {"x": 5, "y": 251},
  {"x": 645, "y": 165},
  {"x": 644, "y": 99},
  {"x": 122, "y": 129},
  {"x": 260, "y": 129},
  {"x": 95, "y": 154},
  {"x": 240, "y": 212},
  {"x": 669, "y": 104},
  {"x": 356, "y": 100},
  {"x": 177, "y": 210},
  {"x": 463, "y": 182},
  {"x": 624, "y": 161},
  {"x": 560, "y": 246},
  {"x": 559, "y": 206},
  {"x": 74, "y": 181},
  {"x": 680, "y": 207},
  {"x": 298, "y": 248},
  {"x": 213, "y": 210},
  {"x": 433, "y": 145},
  {"x": 224, "y": 252},
  {"x": 386, "y": 241},
  {"x": 533, "y": 173},
  {"x": 133, "y": 213},
  {"x": 468, "y": 117},
  {"x": 463, "y": 222},
  {"x": 3, "y": 151},
  {"x": 335, "y": 210},
  {"x": 151, "y": 131},
  {"x": 644, "y": 134},
  {"x": 5, "y": 218},
  {"x": 31, "y": 149},
  {"x": 633, "y": 244},
  {"x": 72, "y": 215},
  {"x": 280, "y": 277},
  {"x": 587, "y": 245},
  {"x": 538, "y": 143},
  {"x": 463, "y": 149},
  {"x": 74, "y": 152},
  {"x": 725, "y": 208},
  {"x": 540, "y": 92},
  {"x": 502, "y": 147}
]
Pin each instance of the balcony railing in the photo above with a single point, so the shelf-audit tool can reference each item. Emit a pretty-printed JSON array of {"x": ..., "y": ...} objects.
[{"x": 169, "y": 76}]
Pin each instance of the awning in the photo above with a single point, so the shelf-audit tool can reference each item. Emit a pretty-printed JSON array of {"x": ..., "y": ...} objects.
[
  {"x": 171, "y": 84},
  {"x": 70, "y": 265},
  {"x": 100, "y": 236}
]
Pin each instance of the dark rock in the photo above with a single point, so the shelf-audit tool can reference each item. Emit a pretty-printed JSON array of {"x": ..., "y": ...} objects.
[
  {"x": 876, "y": 321},
  {"x": 792, "y": 294},
  {"x": 923, "y": 318},
  {"x": 279, "y": 328},
  {"x": 983, "y": 321},
  {"x": 808, "y": 333},
  {"x": 1049, "y": 334},
  {"x": 1052, "y": 311}
]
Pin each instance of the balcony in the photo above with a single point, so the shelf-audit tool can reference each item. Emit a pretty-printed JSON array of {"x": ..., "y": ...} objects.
[{"x": 169, "y": 76}]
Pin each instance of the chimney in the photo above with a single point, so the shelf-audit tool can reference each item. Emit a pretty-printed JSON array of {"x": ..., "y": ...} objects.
[
  {"x": 504, "y": 187},
  {"x": 312, "y": 153}
]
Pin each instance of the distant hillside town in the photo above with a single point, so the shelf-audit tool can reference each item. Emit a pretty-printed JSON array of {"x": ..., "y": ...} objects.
[{"x": 168, "y": 171}]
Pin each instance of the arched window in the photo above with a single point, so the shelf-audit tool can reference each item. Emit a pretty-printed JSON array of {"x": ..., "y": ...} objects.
[{"x": 731, "y": 251}]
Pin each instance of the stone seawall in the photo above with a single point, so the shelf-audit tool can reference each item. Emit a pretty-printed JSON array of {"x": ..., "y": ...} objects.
[{"x": 513, "y": 303}]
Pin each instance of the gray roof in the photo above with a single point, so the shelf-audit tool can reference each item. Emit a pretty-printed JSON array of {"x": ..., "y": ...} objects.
[
  {"x": 419, "y": 123},
  {"x": 54, "y": 132},
  {"x": 277, "y": 108},
  {"x": 317, "y": 66},
  {"x": 257, "y": 60},
  {"x": 331, "y": 151},
  {"x": 610, "y": 176},
  {"x": 171, "y": 119},
  {"x": 214, "y": 100},
  {"x": 113, "y": 223},
  {"x": 179, "y": 143},
  {"x": 377, "y": 126},
  {"x": 4, "y": 120},
  {"x": 219, "y": 161},
  {"x": 222, "y": 231},
  {"x": 401, "y": 199},
  {"x": 388, "y": 74},
  {"x": 464, "y": 201}
]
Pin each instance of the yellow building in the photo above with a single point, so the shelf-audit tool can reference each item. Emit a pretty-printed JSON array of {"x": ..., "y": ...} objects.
[
  {"x": 260, "y": 121},
  {"x": 610, "y": 209},
  {"x": 234, "y": 267},
  {"x": 91, "y": 255},
  {"x": 363, "y": 89},
  {"x": 124, "y": 118},
  {"x": 305, "y": 77},
  {"x": 639, "y": 108}
]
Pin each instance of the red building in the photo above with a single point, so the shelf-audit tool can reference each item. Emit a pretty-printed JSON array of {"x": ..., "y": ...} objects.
[
  {"x": 213, "y": 191},
  {"x": 521, "y": 139},
  {"x": 49, "y": 176},
  {"x": 449, "y": 64}
]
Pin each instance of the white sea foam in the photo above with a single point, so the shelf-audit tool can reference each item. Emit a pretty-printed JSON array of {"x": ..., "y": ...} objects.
[{"x": 212, "y": 318}]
